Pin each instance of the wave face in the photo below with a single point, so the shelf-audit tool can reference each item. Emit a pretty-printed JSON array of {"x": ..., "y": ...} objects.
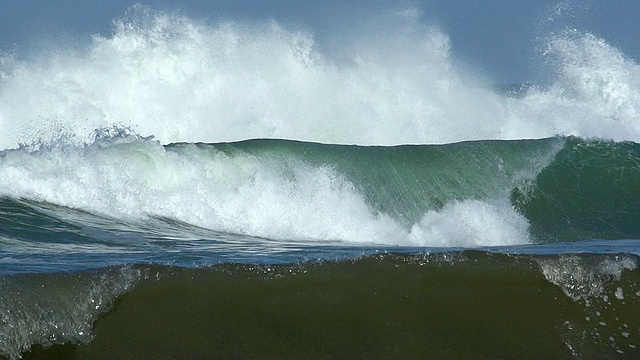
[
  {"x": 465, "y": 194},
  {"x": 590, "y": 190},
  {"x": 182, "y": 80}
]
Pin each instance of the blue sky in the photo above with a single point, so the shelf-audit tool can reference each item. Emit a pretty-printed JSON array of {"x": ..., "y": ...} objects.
[{"x": 499, "y": 37}]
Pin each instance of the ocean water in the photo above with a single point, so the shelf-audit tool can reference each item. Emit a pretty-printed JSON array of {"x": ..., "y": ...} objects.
[{"x": 190, "y": 189}]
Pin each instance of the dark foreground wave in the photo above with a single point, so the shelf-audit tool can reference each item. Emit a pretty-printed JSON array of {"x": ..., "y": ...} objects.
[{"x": 449, "y": 305}]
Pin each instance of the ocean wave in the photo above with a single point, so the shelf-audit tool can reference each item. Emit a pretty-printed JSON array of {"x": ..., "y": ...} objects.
[{"x": 480, "y": 193}]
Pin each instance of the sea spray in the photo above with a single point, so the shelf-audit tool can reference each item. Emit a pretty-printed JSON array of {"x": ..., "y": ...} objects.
[{"x": 180, "y": 79}]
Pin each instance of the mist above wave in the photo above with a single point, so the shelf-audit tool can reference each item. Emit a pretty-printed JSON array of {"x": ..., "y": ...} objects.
[{"x": 180, "y": 79}]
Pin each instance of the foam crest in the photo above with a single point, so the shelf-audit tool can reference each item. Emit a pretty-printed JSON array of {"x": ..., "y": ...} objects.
[
  {"x": 274, "y": 198},
  {"x": 178, "y": 79},
  {"x": 472, "y": 223}
]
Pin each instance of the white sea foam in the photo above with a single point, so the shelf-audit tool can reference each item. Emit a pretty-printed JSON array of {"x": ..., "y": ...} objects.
[
  {"x": 185, "y": 80},
  {"x": 472, "y": 223}
]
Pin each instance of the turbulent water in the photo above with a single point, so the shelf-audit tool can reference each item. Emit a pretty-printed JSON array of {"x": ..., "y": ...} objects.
[{"x": 186, "y": 189}]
